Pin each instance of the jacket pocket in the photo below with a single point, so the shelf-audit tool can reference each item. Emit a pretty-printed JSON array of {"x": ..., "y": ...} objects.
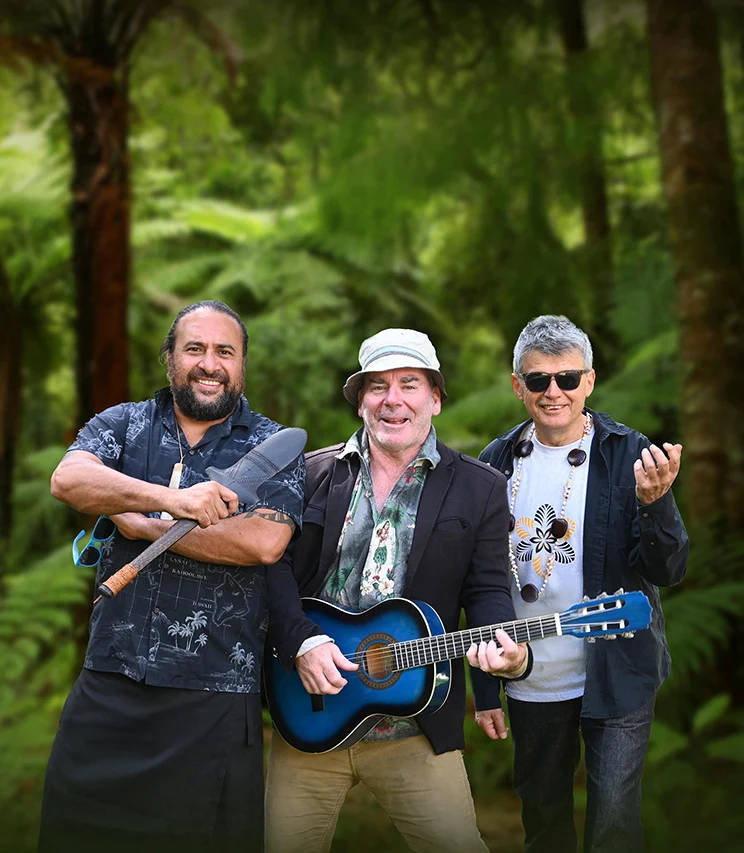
[{"x": 451, "y": 528}]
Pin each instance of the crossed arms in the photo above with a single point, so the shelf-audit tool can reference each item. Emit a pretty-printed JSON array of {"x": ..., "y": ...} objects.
[{"x": 82, "y": 481}]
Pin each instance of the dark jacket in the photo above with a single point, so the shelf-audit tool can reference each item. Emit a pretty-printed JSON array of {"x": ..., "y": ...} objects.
[
  {"x": 628, "y": 545},
  {"x": 458, "y": 560}
]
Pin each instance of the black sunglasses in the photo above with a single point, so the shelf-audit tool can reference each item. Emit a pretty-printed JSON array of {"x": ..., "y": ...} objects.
[{"x": 566, "y": 380}]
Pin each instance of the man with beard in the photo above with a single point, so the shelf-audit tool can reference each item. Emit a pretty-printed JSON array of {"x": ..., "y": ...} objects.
[{"x": 160, "y": 741}]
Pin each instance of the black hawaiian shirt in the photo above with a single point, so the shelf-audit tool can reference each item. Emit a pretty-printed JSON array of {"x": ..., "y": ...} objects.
[{"x": 182, "y": 622}]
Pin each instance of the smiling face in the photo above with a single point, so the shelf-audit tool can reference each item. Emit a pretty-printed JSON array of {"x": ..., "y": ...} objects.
[
  {"x": 397, "y": 407},
  {"x": 205, "y": 369},
  {"x": 557, "y": 414}
]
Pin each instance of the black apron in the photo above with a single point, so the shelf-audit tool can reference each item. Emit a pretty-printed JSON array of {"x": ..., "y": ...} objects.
[{"x": 142, "y": 768}]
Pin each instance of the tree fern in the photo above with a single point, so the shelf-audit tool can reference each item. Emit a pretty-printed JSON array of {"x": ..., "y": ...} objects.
[{"x": 699, "y": 623}]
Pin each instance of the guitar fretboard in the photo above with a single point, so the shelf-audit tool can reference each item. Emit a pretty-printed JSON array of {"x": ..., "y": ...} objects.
[{"x": 427, "y": 650}]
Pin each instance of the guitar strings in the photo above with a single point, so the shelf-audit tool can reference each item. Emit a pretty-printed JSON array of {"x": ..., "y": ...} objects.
[{"x": 421, "y": 645}]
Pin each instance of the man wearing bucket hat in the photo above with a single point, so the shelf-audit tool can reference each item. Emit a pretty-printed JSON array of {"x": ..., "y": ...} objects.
[{"x": 393, "y": 512}]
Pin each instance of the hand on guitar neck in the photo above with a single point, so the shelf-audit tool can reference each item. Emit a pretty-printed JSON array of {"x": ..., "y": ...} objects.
[
  {"x": 490, "y": 658},
  {"x": 502, "y": 656}
]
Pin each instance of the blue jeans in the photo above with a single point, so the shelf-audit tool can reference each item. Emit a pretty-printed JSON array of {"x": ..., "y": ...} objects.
[{"x": 546, "y": 756}]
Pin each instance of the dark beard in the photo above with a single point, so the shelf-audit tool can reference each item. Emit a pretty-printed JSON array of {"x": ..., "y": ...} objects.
[{"x": 191, "y": 407}]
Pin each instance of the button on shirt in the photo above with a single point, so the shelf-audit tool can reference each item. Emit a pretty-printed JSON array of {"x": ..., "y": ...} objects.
[{"x": 183, "y": 622}]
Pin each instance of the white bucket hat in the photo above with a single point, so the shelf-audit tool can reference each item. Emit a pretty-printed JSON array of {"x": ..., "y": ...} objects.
[{"x": 391, "y": 349}]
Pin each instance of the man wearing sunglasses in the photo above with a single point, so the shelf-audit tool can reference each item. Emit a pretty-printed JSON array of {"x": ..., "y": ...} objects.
[
  {"x": 160, "y": 742},
  {"x": 592, "y": 511}
]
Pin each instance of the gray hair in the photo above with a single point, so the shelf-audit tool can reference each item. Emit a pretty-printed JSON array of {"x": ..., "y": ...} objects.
[{"x": 551, "y": 334}]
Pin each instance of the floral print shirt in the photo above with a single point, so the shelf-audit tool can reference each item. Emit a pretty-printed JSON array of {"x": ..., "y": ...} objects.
[
  {"x": 183, "y": 622},
  {"x": 372, "y": 554}
]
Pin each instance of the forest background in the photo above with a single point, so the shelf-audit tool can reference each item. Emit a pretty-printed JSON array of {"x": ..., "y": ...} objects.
[{"x": 333, "y": 167}]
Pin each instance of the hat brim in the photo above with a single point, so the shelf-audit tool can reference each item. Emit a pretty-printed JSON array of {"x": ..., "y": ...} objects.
[{"x": 381, "y": 365}]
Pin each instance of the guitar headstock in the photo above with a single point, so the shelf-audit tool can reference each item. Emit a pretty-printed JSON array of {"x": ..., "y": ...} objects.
[{"x": 607, "y": 616}]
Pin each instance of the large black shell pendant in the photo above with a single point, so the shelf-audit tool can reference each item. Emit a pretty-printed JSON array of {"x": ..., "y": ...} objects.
[
  {"x": 576, "y": 457},
  {"x": 523, "y": 448},
  {"x": 529, "y": 593}
]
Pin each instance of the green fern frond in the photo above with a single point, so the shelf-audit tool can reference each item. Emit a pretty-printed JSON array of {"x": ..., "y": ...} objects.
[
  {"x": 36, "y": 622},
  {"x": 183, "y": 274},
  {"x": 698, "y": 623}
]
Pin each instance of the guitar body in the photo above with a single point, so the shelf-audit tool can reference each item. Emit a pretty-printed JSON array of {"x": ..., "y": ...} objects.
[{"x": 374, "y": 691}]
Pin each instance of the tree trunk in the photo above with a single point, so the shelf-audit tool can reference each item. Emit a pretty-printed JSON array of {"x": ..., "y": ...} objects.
[
  {"x": 586, "y": 114},
  {"x": 705, "y": 242},
  {"x": 10, "y": 398},
  {"x": 100, "y": 215}
]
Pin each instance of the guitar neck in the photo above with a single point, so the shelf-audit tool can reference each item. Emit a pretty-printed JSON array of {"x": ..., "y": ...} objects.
[{"x": 427, "y": 650}]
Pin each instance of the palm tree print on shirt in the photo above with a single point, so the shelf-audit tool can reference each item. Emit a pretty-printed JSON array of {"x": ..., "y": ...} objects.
[
  {"x": 190, "y": 626},
  {"x": 242, "y": 658},
  {"x": 538, "y": 543}
]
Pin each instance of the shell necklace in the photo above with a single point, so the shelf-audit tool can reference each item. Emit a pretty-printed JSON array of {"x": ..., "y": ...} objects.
[{"x": 529, "y": 592}]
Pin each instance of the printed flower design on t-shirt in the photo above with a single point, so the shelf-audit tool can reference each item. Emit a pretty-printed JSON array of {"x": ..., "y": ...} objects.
[{"x": 538, "y": 543}]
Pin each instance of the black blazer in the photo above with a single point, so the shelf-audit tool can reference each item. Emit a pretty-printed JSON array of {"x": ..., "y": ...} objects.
[{"x": 458, "y": 560}]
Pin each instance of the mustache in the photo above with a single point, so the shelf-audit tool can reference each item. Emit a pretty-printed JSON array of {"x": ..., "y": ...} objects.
[{"x": 218, "y": 375}]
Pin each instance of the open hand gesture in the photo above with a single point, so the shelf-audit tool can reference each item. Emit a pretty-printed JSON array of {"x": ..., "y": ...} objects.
[{"x": 655, "y": 471}]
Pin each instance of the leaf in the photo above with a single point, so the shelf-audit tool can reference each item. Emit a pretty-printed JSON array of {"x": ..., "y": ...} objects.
[
  {"x": 713, "y": 710},
  {"x": 664, "y": 743},
  {"x": 729, "y": 748}
]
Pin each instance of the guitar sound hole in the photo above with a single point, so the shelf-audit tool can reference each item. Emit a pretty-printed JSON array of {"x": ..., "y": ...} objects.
[{"x": 377, "y": 660}]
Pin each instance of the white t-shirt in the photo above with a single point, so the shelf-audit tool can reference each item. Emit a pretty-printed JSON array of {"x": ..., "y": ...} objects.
[{"x": 559, "y": 669}]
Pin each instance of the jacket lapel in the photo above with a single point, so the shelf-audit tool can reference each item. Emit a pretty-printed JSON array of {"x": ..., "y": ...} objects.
[
  {"x": 339, "y": 496},
  {"x": 435, "y": 489}
]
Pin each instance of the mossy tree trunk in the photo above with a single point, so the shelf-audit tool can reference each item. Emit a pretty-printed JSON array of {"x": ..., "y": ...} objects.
[
  {"x": 100, "y": 215},
  {"x": 705, "y": 241}
]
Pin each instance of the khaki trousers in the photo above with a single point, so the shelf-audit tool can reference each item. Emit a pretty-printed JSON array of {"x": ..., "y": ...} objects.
[{"x": 427, "y": 796}]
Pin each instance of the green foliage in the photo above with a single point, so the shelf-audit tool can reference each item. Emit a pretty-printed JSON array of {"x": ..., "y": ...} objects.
[
  {"x": 37, "y": 639},
  {"x": 700, "y": 622},
  {"x": 677, "y": 761},
  {"x": 371, "y": 164}
]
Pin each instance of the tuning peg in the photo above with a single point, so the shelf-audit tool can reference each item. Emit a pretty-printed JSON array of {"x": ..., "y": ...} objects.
[
  {"x": 628, "y": 635},
  {"x": 620, "y": 591},
  {"x": 610, "y": 637},
  {"x": 591, "y": 639},
  {"x": 585, "y": 598},
  {"x": 602, "y": 595}
]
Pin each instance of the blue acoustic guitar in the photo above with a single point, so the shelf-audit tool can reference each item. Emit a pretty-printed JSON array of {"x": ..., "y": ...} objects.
[{"x": 403, "y": 655}]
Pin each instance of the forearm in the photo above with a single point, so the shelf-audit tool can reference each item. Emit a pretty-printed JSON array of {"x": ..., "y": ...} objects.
[
  {"x": 86, "y": 484},
  {"x": 248, "y": 539},
  {"x": 661, "y": 549}
]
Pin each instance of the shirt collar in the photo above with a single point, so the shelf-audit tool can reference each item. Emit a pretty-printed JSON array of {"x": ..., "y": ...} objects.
[
  {"x": 358, "y": 445},
  {"x": 242, "y": 416}
]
